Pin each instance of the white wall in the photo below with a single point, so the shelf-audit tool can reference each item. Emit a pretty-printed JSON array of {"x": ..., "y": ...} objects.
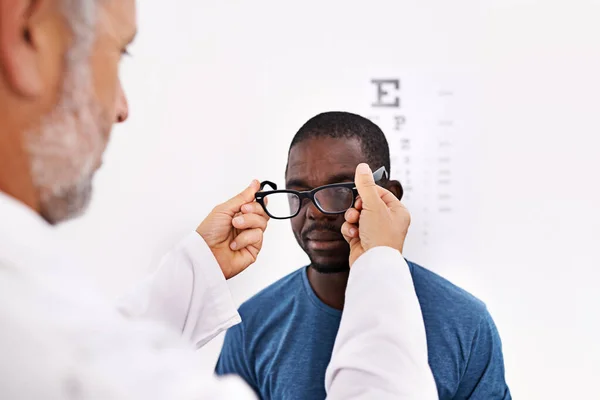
[{"x": 217, "y": 90}]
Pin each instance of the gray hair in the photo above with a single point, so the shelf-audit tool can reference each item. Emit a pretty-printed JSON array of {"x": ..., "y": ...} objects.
[
  {"x": 81, "y": 16},
  {"x": 68, "y": 143}
]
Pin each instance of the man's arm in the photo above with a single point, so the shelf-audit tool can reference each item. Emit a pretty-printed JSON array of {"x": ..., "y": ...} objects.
[
  {"x": 381, "y": 348},
  {"x": 188, "y": 293},
  {"x": 484, "y": 376}
]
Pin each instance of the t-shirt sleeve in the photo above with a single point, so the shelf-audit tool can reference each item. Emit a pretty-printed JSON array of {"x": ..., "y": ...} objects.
[
  {"x": 233, "y": 359},
  {"x": 484, "y": 375}
]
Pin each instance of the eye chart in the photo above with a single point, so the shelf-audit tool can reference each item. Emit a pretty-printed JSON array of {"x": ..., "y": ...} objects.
[{"x": 430, "y": 133}]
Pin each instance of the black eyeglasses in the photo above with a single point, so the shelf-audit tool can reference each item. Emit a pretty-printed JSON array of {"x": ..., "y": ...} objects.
[{"x": 336, "y": 198}]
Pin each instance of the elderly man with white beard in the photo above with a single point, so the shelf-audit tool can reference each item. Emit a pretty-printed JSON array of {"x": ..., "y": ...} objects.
[{"x": 59, "y": 338}]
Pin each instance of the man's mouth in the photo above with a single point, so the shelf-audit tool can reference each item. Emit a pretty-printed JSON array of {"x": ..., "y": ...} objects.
[{"x": 324, "y": 240}]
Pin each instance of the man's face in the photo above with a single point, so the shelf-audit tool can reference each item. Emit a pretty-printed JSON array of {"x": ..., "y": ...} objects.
[
  {"x": 67, "y": 148},
  {"x": 312, "y": 163}
]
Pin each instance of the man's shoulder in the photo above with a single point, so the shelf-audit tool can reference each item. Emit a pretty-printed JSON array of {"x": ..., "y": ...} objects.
[
  {"x": 464, "y": 347},
  {"x": 437, "y": 294}
]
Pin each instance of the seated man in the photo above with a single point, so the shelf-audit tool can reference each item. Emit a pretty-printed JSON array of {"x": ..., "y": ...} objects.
[{"x": 285, "y": 341}]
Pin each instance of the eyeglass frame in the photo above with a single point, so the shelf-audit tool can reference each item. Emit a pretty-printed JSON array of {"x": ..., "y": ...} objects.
[{"x": 379, "y": 175}]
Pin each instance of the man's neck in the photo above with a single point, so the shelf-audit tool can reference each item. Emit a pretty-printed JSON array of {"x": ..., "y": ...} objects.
[{"x": 329, "y": 288}]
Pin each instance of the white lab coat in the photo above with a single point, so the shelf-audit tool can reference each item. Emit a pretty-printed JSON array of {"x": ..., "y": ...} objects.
[{"x": 60, "y": 339}]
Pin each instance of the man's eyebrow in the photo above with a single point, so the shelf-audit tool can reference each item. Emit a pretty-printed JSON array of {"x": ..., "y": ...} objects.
[
  {"x": 296, "y": 183},
  {"x": 338, "y": 178},
  {"x": 341, "y": 178}
]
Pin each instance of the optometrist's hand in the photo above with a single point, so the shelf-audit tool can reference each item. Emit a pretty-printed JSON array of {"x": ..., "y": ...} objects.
[
  {"x": 377, "y": 219},
  {"x": 234, "y": 231}
]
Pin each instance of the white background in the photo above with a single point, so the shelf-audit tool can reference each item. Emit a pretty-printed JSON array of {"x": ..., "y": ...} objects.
[{"x": 218, "y": 89}]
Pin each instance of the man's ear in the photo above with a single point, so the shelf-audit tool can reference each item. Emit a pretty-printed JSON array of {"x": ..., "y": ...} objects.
[
  {"x": 21, "y": 26},
  {"x": 396, "y": 188}
]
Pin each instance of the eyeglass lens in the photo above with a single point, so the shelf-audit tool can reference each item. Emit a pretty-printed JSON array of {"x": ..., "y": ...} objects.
[
  {"x": 282, "y": 205},
  {"x": 334, "y": 199}
]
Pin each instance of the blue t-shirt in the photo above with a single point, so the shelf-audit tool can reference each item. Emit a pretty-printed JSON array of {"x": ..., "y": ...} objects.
[{"x": 284, "y": 344}]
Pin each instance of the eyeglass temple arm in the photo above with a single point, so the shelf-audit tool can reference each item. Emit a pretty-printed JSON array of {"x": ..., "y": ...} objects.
[{"x": 380, "y": 174}]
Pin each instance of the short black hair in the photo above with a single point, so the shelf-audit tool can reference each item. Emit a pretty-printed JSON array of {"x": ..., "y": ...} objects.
[{"x": 339, "y": 124}]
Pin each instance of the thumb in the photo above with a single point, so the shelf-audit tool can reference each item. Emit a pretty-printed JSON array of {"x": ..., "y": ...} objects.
[
  {"x": 388, "y": 198},
  {"x": 234, "y": 204},
  {"x": 365, "y": 184}
]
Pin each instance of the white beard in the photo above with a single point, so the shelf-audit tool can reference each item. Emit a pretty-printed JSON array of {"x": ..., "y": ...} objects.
[{"x": 67, "y": 147}]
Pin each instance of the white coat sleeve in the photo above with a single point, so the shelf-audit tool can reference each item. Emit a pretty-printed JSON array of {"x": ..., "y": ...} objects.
[
  {"x": 188, "y": 293},
  {"x": 381, "y": 349}
]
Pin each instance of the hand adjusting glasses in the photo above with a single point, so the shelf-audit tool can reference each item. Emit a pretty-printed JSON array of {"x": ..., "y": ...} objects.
[{"x": 336, "y": 198}]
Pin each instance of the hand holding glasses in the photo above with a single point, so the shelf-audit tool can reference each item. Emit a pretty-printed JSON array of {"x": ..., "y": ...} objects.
[{"x": 336, "y": 198}]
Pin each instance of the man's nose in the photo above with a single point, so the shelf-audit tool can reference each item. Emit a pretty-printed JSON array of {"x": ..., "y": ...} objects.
[
  {"x": 313, "y": 212},
  {"x": 122, "y": 109}
]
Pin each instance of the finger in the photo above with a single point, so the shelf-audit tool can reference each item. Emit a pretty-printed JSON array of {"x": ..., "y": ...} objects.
[
  {"x": 235, "y": 204},
  {"x": 255, "y": 208},
  {"x": 358, "y": 204},
  {"x": 352, "y": 216},
  {"x": 365, "y": 184},
  {"x": 247, "y": 238},
  {"x": 250, "y": 221},
  {"x": 350, "y": 231}
]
